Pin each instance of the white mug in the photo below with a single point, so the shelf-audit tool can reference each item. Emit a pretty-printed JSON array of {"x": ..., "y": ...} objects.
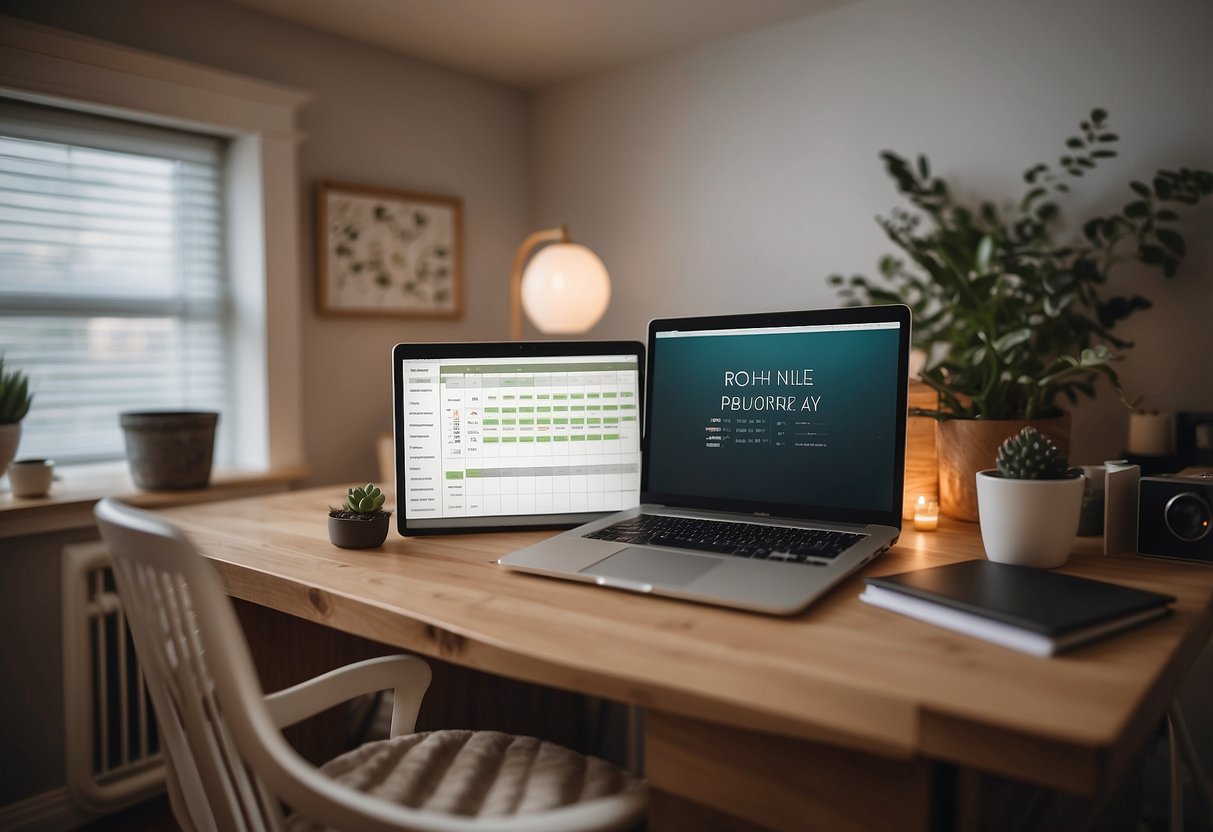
[{"x": 31, "y": 477}]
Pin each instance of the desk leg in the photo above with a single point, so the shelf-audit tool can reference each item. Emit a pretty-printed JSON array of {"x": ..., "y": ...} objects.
[{"x": 710, "y": 777}]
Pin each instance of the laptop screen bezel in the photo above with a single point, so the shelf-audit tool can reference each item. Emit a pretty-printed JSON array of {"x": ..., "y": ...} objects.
[
  {"x": 891, "y": 516},
  {"x": 494, "y": 349}
]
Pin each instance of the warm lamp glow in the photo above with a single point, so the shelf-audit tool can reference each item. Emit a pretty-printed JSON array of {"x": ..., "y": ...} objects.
[{"x": 565, "y": 289}]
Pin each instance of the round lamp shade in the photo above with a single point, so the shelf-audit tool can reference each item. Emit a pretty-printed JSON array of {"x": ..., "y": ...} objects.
[{"x": 565, "y": 289}]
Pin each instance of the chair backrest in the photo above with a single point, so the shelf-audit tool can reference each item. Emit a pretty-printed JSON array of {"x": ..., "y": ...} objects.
[{"x": 164, "y": 583}]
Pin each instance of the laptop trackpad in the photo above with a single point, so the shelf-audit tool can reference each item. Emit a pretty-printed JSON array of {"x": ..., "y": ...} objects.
[{"x": 645, "y": 566}]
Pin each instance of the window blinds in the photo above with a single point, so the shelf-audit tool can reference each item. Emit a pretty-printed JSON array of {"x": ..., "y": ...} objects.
[{"x": 112, "y": 278}]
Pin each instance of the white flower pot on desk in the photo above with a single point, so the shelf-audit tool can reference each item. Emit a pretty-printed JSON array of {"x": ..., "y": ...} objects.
[{"x": 1028, "y": 522}]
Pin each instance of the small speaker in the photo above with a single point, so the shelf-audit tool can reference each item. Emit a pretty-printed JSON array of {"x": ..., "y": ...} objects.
[{"x": 1175, "y": 515}]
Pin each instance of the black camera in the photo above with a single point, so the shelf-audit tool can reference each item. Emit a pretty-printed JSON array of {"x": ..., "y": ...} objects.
[{"x": 1175, "y": 515}]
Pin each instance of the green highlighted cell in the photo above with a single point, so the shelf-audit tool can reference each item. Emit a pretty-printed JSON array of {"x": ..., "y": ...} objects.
[
  {"x": 593, "y": 395},
  {"x": 594, "y": 437},
  {"x": 627, "y": 407},
  {"x": 509, "y": 410},
  {"x": 610, "y": 436},
  {"x": 543, "y": 421},
  {"x": 560, "y": 408},
  {"x": 560, "y": 439},
  {"x": 508, "y": 397},
  {"x": 543, "y": 438},
  {"x": 610, "y": 420},
  {"x": 627, "y": 394},
  {"x": 577, "y": 438},
  {"x": 593, "y": 420},
  {"x": 526, "y": 421},
  {"x": 474, "y": 473},
  {"x": 610, "y": 407},
  {"x": 559, "y": 421},
  {"x": 509, "y": 421},
  {"x": 578, "y": 408},
  {"x": 559, "y": 395},
  {"x": 544, "y": 396},
  {"x": 509, "y": 439},
  {"x": 492, "y": 410},
  {"x": 577, "y": 395},
  {"x": 526, "y": 410},
  {"x": 542, "y": 409},
  {"x": 526, "y": 439},
  {"x": 609, "y": 395},
  {"x": 489, "y": 440},
  {"x": 526, "y": 396},
  {"x": 490, "y": 421},
  {"x": 454, "y": 475},
  {"x": 628, "y": 418},
  {"x": 576, "y": 421}
]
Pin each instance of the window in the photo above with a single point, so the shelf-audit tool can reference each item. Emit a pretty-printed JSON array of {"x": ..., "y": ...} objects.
[{"x": 113, "y": 289}]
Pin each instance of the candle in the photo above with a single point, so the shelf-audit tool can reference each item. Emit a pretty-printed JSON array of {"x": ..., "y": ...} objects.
[{"x": 926, "y": 514}]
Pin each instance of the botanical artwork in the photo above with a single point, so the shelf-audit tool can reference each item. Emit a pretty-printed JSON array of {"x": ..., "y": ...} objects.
[{"x": 388, "y": 252}]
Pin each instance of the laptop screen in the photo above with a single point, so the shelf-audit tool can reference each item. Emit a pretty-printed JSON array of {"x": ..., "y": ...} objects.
[
  {"x": 791, "y": 414},
  {"x": 517, "y": 435}
]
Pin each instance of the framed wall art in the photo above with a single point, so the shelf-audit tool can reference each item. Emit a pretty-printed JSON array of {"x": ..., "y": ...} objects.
[{"x": 388, "y": 253}]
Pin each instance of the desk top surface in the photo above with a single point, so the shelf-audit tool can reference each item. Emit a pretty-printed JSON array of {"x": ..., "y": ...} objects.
[{"x": 841, "y": 672}]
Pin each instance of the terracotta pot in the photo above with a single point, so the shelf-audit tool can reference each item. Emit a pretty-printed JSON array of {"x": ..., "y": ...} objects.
[{"x": 966, "y": 446}]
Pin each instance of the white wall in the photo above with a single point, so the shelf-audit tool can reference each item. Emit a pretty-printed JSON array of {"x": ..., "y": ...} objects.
[
  {"x": 739, "y": 174},
  {"x": 375, "y": 118}
]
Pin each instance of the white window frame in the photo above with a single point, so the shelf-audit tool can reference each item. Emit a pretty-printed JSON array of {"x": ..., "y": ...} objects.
[{"x": 262, "y": 205}]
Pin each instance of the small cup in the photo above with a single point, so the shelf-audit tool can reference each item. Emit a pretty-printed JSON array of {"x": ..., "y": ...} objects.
[{"x": 31, "y": 477}]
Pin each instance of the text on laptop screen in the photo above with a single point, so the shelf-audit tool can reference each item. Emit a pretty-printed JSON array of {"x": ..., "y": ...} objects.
[
  {"x": 488, "y": 437},
  {"x": 801, "y": 415}
]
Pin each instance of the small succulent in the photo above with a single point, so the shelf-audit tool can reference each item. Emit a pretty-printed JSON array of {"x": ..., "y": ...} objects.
[
  {"x": 364, "y": 499},
  {"x": 15, "y": 397},
  {"x": 1030, "y": 455}
]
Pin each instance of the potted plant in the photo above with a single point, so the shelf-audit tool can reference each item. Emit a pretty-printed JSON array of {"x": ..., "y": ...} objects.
[
  {"x": 361, "y": 523},
  {"x": 1012, "y": 321},
  {"x": 15, "y": 400},
  {"x": 1030, "y": 504}
]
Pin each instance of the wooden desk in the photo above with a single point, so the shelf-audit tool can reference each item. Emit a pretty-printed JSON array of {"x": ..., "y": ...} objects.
[{"x": 847, "y": 715}]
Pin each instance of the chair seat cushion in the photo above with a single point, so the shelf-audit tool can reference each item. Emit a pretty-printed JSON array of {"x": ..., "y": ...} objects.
[{"x": 474, "y": 773}]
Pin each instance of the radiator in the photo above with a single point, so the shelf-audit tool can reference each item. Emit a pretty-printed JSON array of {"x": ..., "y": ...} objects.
[{"x": 113, "y": 755}]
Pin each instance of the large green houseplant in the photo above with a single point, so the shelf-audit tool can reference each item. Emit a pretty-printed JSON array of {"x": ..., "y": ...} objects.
[{"x": 1011, "y": 320}]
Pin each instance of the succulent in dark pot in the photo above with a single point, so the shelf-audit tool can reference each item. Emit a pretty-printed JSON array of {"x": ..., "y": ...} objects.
[{"x": 362, "y": 522}]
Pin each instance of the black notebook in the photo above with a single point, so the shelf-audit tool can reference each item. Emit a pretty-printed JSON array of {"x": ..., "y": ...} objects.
[{"x": 1020, "y": 607}]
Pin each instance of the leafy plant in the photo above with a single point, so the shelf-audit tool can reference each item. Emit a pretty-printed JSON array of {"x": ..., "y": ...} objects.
[
  {"x": 364, "y": 499},
  {"x": 15, "y": 397},
  {"x": 1010, "y": 319},
  {"x": 1030, "y": 455}
]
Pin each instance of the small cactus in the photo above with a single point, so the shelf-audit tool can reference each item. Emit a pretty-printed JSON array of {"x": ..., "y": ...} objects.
[
  {"x": 1030, "y": 455},
  {"x": 364, "y": 499}
]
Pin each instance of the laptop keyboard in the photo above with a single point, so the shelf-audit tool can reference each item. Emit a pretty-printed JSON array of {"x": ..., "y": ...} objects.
[{"x": 745, "y": 540}]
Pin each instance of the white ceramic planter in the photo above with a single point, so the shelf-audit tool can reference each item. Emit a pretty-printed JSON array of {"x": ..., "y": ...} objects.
[
  {"x": 1028, "y": 522},
  {"x": 10, "y": 437}
]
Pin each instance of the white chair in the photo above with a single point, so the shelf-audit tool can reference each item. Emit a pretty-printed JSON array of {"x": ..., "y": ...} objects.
[{"x": 231, "y": 769}]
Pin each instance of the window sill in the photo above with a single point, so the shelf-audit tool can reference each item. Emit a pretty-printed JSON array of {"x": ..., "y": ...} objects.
[{"x": 77, "y": 489}]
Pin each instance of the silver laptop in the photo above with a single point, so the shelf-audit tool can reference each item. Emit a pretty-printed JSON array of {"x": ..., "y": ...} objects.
[{"x": 772, "y": 466}]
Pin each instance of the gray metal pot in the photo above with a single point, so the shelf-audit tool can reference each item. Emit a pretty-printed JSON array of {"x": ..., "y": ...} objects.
[
  {"x": 170, "y": 450},
  {"x": 360, "y": 533}
]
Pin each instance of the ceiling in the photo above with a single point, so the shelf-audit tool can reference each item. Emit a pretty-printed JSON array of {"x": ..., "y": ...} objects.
[{"x": 533, "y": 43}]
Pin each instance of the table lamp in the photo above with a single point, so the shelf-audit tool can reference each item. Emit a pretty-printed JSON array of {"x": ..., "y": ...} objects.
[{"x": 564, "y": 288}]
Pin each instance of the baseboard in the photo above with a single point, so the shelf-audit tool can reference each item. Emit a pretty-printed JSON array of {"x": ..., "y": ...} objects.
[{"x": 51, "y": 811}]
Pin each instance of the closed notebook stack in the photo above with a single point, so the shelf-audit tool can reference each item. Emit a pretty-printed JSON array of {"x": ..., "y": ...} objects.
[{"x": 1019, "y": 607}]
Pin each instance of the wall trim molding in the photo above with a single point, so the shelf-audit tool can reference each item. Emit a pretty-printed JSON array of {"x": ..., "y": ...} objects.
[{"x": 51, "y": 811}]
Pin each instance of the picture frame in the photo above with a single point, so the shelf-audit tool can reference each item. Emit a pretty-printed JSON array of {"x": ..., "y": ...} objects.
[{"x": 383, "y": 252}]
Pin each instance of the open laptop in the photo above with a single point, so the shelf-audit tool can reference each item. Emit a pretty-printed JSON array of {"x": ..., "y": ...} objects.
[{"x": 773, "y": 461}]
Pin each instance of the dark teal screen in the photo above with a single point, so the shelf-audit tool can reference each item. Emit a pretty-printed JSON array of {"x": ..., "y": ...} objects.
[{"x": 793, "y": 418}]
